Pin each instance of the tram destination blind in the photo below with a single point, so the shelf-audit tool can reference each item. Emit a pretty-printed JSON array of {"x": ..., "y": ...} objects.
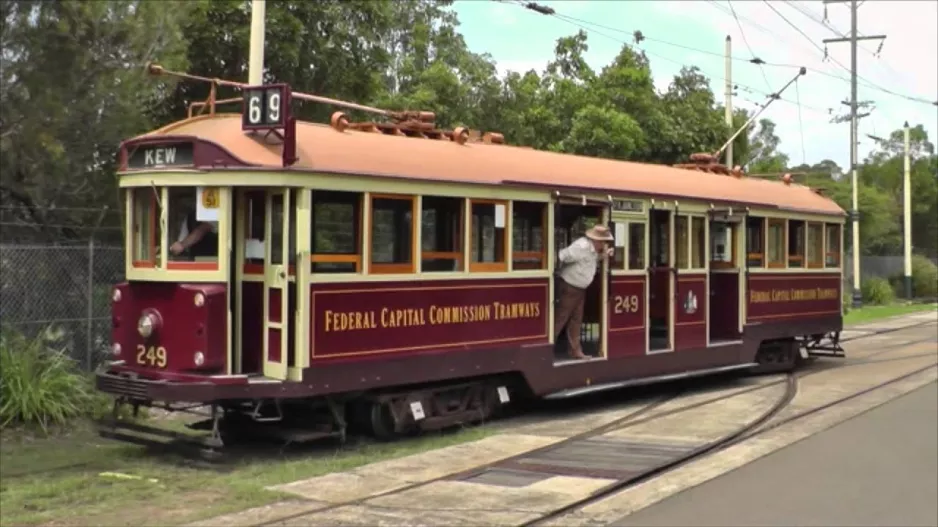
[{"x": 265, "y": 107}]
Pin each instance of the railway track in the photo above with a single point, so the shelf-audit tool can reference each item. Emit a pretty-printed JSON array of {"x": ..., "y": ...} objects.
[{"x": 647, "y": 414}]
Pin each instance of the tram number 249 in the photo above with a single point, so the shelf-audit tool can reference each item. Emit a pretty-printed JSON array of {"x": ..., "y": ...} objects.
[
  {"x": 151, "y": 356},
  {"x": 625, "y": 304}
]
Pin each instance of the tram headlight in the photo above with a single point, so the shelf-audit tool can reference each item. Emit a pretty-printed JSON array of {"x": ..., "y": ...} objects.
[
  {"x": 198, "y": 358},
  {"x": 145, "y": 325},
  {"x": 116, "y": 296},
  {"x": 116, "y": 349},
  {"x": 199, "y": 300}
]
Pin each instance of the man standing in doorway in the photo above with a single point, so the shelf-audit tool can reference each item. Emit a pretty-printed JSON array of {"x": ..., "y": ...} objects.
[{"x": 577, "y": 268}]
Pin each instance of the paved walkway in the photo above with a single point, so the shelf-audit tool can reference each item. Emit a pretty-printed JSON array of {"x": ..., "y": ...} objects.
[{"x": 879, "y": 468}]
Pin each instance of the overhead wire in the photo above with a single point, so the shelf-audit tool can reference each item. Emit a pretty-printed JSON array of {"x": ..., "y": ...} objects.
[{"x": 746, "y": 41}]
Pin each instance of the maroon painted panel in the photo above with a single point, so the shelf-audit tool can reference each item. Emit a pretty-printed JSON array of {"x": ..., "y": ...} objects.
[
  {"x": 401, "y": 317},
  {"x": 182, "y": 327},
  {"x": 775, "y": 297},
  {"x": 690, "y": 311},
  {"x": 252, "y": 326},
  {"x": 724, "y": 305},
  {"x": 273, "y": 342},
  {"x": 627, "y": 317},
  {"x": 274, "y": 307},
  {"x": 660, "y": 290}
]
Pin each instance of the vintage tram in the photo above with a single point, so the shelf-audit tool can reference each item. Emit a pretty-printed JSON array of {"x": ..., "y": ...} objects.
[{"x": 305, "y": 276}]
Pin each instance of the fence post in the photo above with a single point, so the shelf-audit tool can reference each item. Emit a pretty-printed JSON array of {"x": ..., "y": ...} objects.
[{"x": 89, "y": 332}]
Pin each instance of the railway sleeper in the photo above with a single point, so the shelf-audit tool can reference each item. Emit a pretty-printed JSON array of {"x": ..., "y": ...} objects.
[{"x": 389, "y": 415}]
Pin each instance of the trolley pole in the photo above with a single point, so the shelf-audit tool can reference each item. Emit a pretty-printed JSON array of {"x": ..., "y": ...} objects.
[
  {"x": 256, "y": 55},
  {"x": 854, "y": 213},
  {"x": 729, "y": 97},
  {"x": 907, "y": 215}
]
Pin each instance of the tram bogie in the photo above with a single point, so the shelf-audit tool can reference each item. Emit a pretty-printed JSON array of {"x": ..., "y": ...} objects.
[{"x": 395, "y": 278}]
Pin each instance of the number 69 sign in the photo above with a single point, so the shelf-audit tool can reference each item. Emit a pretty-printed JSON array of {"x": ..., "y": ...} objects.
[{"x": 265, "y": 107}]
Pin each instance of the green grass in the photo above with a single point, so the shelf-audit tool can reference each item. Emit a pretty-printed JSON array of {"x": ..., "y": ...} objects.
[
  {"x": 70, "y": 480},
  {"x": 870, "y": 313}
]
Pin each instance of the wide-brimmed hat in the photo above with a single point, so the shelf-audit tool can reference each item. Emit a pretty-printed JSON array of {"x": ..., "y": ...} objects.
[{"x": 599, "y": 233}]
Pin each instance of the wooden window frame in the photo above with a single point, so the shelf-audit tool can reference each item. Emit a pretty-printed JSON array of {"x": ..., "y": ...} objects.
[
  {"x": 796, "y": 258},
  {"x": 253, "y": 269},
  {"x": 135, "y": 235},
  {"x": 184, "y": 265},
  {"x": 395, "y": 268},
  {"x": 356, "y": 258},
  {"x": 677, "y": 237},
  {"x": 628, "y": 244},
  {"x": 732, "y": 246},
  {"x": 819, "y": 263},
  {"x": 457, "y": 256},
  {"x": 690, "y": 242},
  {"x": 769, "y": 222},
  {"x": 491, "y": 267},
  {"x": 838, "y": 229},
  {"x": 764, "y": 255},
  {"x": 541, "y": 255}
]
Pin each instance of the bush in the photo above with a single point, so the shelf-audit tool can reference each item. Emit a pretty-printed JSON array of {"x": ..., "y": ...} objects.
[
  {"x": 924, "y": 277},
  {"x": 40, "y": 385},
  {"x": 877, "y": 291}
]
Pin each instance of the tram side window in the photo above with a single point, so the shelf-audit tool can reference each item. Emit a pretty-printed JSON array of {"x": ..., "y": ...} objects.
[
  {"x": 775, "y": 244},
  {"x": 336, "y": 232},
  {"x": 636, "y": 244},
  {"x": 528, "y": 227},
  {"x": 681, "y": 243},
  {"x": 698, "y": 241},
  {"x": 190, "y": 239},
  {"x": 755, "y": 242},
  {"x": 796, "y": 245},
  {"x": 489, "y": 243},
  {"x": 441, "y": 234},
  {"x": 815, "y": 245},
  {"x": 392, "y": 234},
  {"x": 146, "y": 226},
  {"x": 255, "y": 203},
  {"x": 832, "y": 254}
]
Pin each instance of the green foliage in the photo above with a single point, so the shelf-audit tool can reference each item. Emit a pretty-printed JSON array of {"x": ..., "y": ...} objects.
[
  {"x": 40, "y": 385},
  {"x": 877, "y": 291},
  {"x": 924, "y": 277}
]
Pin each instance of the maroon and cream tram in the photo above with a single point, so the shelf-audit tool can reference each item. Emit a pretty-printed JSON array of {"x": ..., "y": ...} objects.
[{"x": 400, "y": 276}]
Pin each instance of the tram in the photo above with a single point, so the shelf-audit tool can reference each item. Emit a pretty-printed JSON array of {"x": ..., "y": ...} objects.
[{"x": 302, "y": 277}]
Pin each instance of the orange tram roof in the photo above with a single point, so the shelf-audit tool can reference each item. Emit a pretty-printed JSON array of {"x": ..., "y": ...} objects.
[{"x": 323, "y": 148}]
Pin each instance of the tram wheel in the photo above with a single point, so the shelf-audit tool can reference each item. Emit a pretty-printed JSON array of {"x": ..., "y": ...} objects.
[{"x": 382, "y": 422}]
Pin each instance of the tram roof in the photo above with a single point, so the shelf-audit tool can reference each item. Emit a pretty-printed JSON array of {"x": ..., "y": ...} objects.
[{"x": 322, "y": 148}]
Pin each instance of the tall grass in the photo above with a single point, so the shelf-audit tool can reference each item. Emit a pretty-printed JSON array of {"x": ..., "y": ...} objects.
[{"x": 39, "y": 384}]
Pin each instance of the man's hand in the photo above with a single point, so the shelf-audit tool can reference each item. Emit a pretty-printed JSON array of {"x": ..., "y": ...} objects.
[
  {"x": 610, "y": 251},
  {"x": 176, "y": 248}
]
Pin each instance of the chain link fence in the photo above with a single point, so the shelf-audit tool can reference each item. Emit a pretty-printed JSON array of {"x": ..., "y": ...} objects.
[{"x": 63, "y": 289}]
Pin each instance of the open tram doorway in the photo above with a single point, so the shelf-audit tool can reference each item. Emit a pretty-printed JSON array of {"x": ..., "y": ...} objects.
[
  {"x": 724, "y": 278},
  {"x": 265, "y": 278},
  {"x": 570, "y": 223},
  {"x": 661, "y": 274}
]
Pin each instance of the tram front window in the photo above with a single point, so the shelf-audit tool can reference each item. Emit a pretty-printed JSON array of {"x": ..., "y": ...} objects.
[{"x": 190, "y": 238}]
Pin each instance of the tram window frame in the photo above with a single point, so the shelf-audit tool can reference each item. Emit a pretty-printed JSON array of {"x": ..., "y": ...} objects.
[
  {"x": 146, "y": 208},
  {"x": 639, "y": 265},
  {"x": 796, "y": 238},
  {"x": 832, "y": 257},
  {"x": 814, "y": 245},
  {"x": 756, "y": 247},
  {"x": 255, "y": 226},
  {"x": 682, "y": 241},
  {"x": 697, "y": 254},
  {"x": 779, "y": 241},
  {"x": 336, "y": 261},
  {"x": 396, "y": 267},
  {"x": 174, "y": 233},
  {"x": 526, "y": 218},
  {"x": 730, "y": 250},
  {"x": 444, "y": 242},
  {"x": 500, "y": 261}
]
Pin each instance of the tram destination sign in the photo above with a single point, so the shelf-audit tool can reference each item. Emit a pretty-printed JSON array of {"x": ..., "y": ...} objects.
[
  {"x": 161, "y": 156},
  {"x": 265, "y": 107}
]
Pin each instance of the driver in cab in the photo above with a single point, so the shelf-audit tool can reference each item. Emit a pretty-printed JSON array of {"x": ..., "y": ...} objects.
[{"x": 197, "y": 238}]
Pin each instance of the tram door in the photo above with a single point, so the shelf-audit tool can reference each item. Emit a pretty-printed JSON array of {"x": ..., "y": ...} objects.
[
  {"x": 661, "y": 278},
  {"x": 280, "y": 231}
]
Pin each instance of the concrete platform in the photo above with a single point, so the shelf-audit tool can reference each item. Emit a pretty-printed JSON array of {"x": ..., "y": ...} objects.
[{"x": 880, "y": 468}]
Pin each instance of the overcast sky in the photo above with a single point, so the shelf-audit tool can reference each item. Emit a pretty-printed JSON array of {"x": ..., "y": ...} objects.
[{"x": 520, "y": 39}]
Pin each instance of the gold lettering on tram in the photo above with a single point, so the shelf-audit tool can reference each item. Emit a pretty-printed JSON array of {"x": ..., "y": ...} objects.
[
  {"x": 338, "y": 321},
  {"x": 792, "y": 295}
]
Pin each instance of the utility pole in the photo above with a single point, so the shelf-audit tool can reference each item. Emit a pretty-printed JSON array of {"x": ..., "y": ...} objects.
[
  {"x": 256, "y": 54},
  {"x": 854, "y": 213},
  {"x": 729, "y": 97},
  {"x": 907, "y": 216}
]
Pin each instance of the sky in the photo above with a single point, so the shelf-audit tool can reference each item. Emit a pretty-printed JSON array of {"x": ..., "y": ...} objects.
[{"x": 519, "y": 40}]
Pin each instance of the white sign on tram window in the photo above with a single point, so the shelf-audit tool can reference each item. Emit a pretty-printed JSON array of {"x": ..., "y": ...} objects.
[
  {"x": 620, "y": 234},
  {"x": 499, "y": 216},
  {"x": 207, "y": 204}
]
